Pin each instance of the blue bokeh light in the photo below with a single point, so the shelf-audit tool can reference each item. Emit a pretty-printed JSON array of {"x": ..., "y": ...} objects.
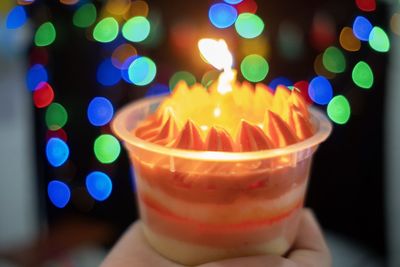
[
  {"x": 59, "y": 193},
  {"x": 99, "y": 185},
  {"x": 57, "y": 152},
  {"x": 100, "y": 111},
  {"x": 158, "y": 89},
  {"x": 222, "y": 15},
  {"x": 280, "y": 81},
  {"x": 125, "y": 68},
  {"x": 362, "y": 27},
  {"x": 16, "y": 18},
  {"x": 320, "y": 90},
  {"x": 108, "y": 74},
  {"x": 233, "y": 2},
  {"x": 35, "y": 75}
]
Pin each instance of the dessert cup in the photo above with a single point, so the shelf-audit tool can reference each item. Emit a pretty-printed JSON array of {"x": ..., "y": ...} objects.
[{"x": 202, "y": 206}]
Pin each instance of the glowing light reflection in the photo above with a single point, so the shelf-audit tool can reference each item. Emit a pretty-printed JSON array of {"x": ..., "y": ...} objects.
[
  {"x": 99, "y": 185},
  {"x": 59, "y": 193}
]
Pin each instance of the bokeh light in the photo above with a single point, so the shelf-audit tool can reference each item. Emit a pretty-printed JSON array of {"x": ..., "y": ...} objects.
[
  {"x": 334, "y": 60},
  {"x": 290, "y": 40},
  {"x": 106, "y": 30},
  {"x": 379, "y": 40},
  {"x": 121, "y": 54},
  {"x": 366, "y": 5},
  {"x": 233, "y": 2},
  {"x": 320, "y": 69},
  {"x": 106, "y": 148},
  {"x": 348, "y": 41},
  {"x": 137, "y": 8},
  {"x": 339, "y": 109},
  {"x": 99, "y": 185},
  {"x": 16, "y": 18},
  {"x": 100, "y": 111},
  {"x": 60, "y": 133},
  {"x": 108, "y": 74},
  {"x": 254, "y": 68},
  {"x": 280, "y": 81},
  {"x": 209, "y": 77},
  {"x": 136, "y": 29},
  {"x": 56, "y": 116},
  {"x": 45, "y": 34},
  {"x": 323, "y": 31},
  {"x": 142, "y": 71},
  {"x": 259, "y": 45},
  {"x": 362, "y": 27},
  {"x": 35, "y": 75},
  {"x": 25, "y": 2},
  {"x": 186, "y": 76},
  {"x": 362, "y": 75},
  {"x": 158, "y": 89},
  {"x": 38, "y": 55},
  {"x": 247, "y": 6},
  {"x": 395, "y": 23},
  {"x": 117, "y": 7},
  {"x": 302, "y": 86},
  {"x": 43, "y": 95},
  {"x": 59, "y": 193},
  {"x": 69, "y": 2},
  {"x": 249, "y": 25},
  {"x": 85, "y": 16},
  {"x": 57, "y": 152},
  {"x": 222, "y": 15},
  {"x": 320, "y": 90}
]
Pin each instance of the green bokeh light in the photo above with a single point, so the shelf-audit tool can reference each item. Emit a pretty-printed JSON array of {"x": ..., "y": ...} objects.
[
  {"x": 209, "y": 77},
  {"x": 45, "y": 34},
  {"x": 379, "y": 40},
  {"x": 142, "y": 71},
  {"x": 254, "y": 68},
  {"x": 334, "y": 60},
  {"x": 186, "y": 76},
  {"x": 56, "y": 116},
  {"x": 106, "y": 148},
  {"x": 249, "y": 25},
  {"x": 106, "y": 30},
  {"x": 362, "y": 75},
  {"x": 136, "y": 29},
  {"x": 339, "y": 110},
  {"x": 85, "y": 16}
]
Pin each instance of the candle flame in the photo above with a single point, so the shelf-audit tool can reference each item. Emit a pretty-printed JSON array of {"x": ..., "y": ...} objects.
[{"x": 216, "y": 53}]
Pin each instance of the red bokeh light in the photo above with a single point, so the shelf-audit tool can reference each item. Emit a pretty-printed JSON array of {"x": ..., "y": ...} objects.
[
  {"x": 60, "y": 133},
  {"x": 366, "y": 5},
  {"x": 303, "y": 87},
  {"x": 39, "y": 55},
  {"x": 247, "y": 6},
  {"x": 43, "y": 95}
]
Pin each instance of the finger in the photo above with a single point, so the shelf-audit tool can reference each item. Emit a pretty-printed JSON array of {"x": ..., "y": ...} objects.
[
  {"x": 255, "y": 261},
  {"x": 133, "y": 250},
  {"x": 310, "y": 248}
]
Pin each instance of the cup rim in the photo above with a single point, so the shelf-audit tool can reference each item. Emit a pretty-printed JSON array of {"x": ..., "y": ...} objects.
[{"x": 324, "y": 128}]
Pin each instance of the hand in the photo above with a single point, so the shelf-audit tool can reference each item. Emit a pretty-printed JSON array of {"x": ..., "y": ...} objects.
[{"x": 309, "y": 250}]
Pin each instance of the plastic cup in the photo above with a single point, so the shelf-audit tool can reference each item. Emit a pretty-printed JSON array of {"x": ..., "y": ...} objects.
[{"x": 201, "y": 206}]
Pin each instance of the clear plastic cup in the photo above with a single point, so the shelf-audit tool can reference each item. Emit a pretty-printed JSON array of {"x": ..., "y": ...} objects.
[{"x": 201, "y": 206}]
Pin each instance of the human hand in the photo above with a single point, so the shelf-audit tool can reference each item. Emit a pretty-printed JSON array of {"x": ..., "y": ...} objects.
[{"x": 309, "y": 250}]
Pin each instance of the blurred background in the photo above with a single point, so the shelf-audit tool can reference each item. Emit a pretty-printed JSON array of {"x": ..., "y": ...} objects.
[{"x": 66, "y": 66}]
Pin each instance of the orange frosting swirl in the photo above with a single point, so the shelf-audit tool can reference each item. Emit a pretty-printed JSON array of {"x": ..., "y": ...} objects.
[{"x": 245, "y": 119}]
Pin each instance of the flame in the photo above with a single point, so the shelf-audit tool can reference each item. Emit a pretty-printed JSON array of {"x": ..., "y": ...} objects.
[{"x": 217, "y": 54}]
